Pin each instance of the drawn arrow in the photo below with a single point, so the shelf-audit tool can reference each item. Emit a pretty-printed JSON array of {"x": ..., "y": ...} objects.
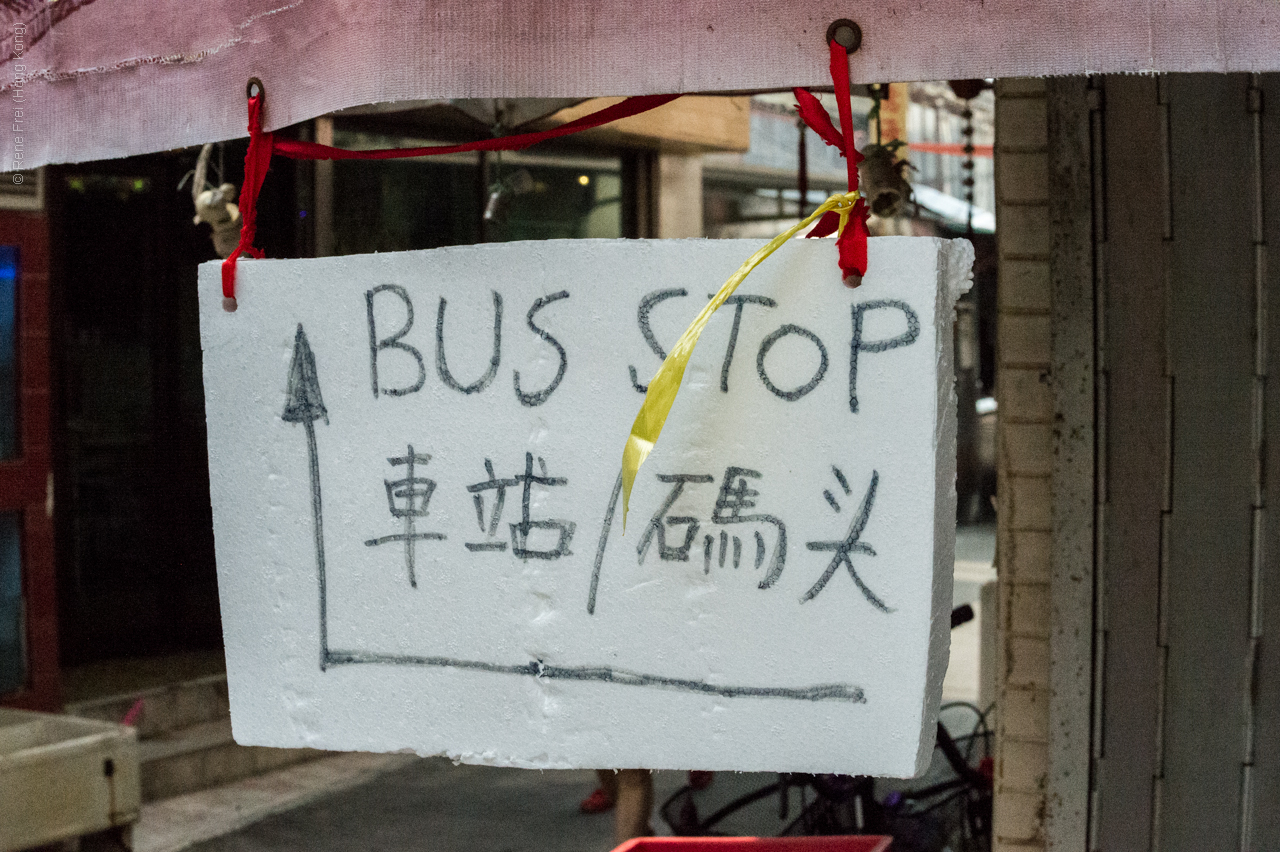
[{"x": 304, "y": 405}]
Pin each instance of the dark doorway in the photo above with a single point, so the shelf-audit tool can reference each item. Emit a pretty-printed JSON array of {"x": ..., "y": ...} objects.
[{"x": 135, "y": 554}]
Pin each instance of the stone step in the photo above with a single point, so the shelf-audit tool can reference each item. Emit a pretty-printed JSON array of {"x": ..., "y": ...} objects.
[
  {"x": 200, "y": 759},
  {"x": 166, "y": 708},
  {"x": 200, "y": 737},
  {"x": 184, "y": 736}
]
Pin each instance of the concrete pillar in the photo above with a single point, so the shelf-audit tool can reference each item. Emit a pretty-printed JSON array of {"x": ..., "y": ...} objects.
[
  {"x": 678, "y": 186},
  {"x": 322, "y": 215}
]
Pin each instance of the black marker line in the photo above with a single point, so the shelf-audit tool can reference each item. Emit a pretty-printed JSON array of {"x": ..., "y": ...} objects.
[
  {"x": 735, "y": 495},
  {"x": 485, "y": 546},
  {"x": 647, "y": 304},
  {"x": 759, "y": 550},
  {"x": 373, "y": 344},
  {"x": 427, "y": 536},
  {"x": 857, "y": 345},
  {"x": 767, "y": 344},
  {"x": 607, "y": 674},
  {"x": 392, "y": 342},
  {"x": 305, "y": 405},
  {"x": 737, "y": 551},
  {"x": 317, "y": 515},
  {"x": 635, "y": 380},
  {"x": 852, "y": 543},
  {"x": 498, "y": 503},
  {"x": 738, "y": 302},
  {"x": 604, "y": 539},
  {"x": 520, "y": 532},
  {"x": 655, "y": 525},
  {"x": 410, "y": 549},
  {"x": 831, "y": 500},
  {"x": 534, "y": 399},
  {"x": 844, "y": 483},
  {"x": 706, "y": 554},
  {"x": 499, "y": 486},
  {"x": 871, "y": 596},
  {"x": 442, "y": 366}
]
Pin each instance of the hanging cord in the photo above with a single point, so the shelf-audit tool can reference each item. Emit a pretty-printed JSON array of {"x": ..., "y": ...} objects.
[
  {"x": 299, "y": 150},
  {"x": 845, "y": 213},
  {"x": 256, "y": 162},
  {"x": 852, "y": 241},
  {"x": 262, "y": 145},
  {"x": 968, "y": 166}
]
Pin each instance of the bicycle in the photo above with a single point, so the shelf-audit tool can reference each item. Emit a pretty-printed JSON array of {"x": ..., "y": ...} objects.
[{"x": 947, "y": 808}]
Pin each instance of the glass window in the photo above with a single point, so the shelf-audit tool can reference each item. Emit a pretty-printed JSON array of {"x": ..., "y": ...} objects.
[
  {"x": 8, "y": 352},
  {"x": 396, "y": 205},
  {"x": 546, "y": 198},
  {"x": 13, "y": 651}
]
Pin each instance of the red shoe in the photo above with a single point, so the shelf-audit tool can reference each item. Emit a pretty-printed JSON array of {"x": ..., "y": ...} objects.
[
  {"x": 597, "y": 803},
  {"x": 700, "y": 779}
]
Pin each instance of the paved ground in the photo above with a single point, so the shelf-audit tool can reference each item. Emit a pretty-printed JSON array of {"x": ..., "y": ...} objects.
[
  {"x": 433, "y": 805},
  {"x": 176, "y": 823}
]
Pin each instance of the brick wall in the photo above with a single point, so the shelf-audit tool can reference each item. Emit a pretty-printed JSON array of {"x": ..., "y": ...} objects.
[{"x": 1024, "y": 463}]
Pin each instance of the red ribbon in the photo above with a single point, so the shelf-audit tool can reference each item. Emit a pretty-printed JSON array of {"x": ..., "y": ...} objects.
[
  {"x": 262, "y": 145},
  {"x": 852, "y": 241},
  {"x": 631, "y": 106},
  {"x": 256, "y": 163}
]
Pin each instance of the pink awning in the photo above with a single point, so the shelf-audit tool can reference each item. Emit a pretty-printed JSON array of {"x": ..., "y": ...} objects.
[{"x": 92, "y": 79}]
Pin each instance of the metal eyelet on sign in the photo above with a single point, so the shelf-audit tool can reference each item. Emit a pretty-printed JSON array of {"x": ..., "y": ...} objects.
[
  {"x": 845, "y": 33},
  {"x": 254, "y": 88}
]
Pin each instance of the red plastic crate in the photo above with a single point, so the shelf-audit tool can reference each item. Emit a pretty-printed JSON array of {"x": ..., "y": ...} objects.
[{"x": 838, "y": 843}]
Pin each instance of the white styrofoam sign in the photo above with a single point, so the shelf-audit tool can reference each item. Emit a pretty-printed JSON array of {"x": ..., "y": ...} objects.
[{"x": 415, "y": 464}]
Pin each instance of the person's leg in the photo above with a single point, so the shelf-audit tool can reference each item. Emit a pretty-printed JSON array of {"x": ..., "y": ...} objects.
[
  {"x": 603, "y": 797},
  {"x": 700, "y": 779},
  {"x": 635, "y": 804},
  {"x": 609, "y": 783}
]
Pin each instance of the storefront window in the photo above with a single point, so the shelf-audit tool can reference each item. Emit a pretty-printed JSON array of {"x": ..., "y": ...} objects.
[
  {"x": 441, "y": 201},
  {"x": 13, "y": 656},
  {"x": 557, "y": 198},
  {"x": 8, "y": 352}
]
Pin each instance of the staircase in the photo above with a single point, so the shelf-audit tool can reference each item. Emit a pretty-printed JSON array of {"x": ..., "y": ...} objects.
[{"x": 184, "y": 736}]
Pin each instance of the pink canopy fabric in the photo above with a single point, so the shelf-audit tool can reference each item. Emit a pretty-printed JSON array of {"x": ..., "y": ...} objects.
[{"x": 94, "y": 79}]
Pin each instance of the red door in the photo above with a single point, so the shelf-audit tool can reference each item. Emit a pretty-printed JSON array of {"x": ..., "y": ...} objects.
[{"x": 28, "y": 611}]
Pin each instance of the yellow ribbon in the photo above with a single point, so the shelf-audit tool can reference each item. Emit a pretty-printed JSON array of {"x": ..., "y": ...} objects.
[{"x": 666, "y": 382}]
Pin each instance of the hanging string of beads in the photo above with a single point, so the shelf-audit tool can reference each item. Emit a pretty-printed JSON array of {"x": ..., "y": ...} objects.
[{"x": 967, "y": 165}]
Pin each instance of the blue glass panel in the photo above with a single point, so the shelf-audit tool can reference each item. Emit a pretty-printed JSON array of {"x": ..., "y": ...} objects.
[
  {"x": 13, "y": 651},
  {"x": 8, "y": 352}
]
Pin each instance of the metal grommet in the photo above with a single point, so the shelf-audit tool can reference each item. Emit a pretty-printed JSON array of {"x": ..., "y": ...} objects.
[
  {"x": 845, "y": 33},
  {"x": 254, "y": 87}
]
